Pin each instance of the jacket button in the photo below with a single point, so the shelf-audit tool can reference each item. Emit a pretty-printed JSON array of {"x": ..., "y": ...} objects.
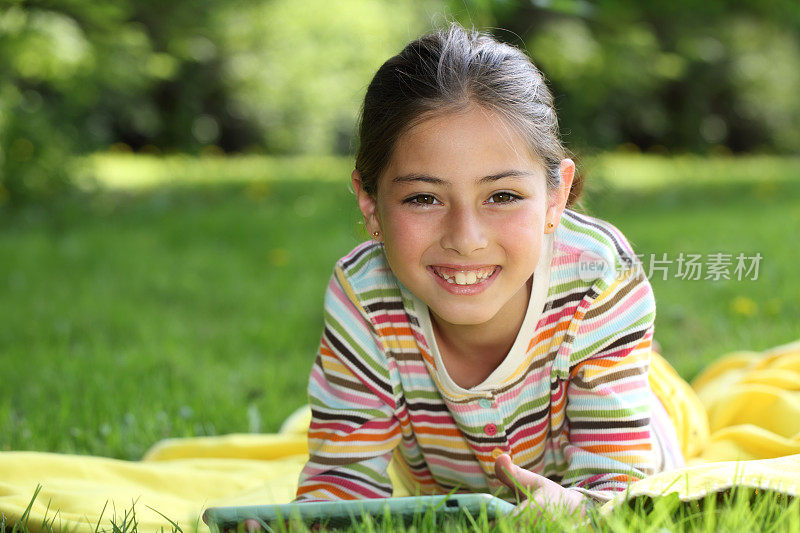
[
  {"x": 483, "y": 402},
  {"x": 490, "y": 429},
  {"x": 497, "y": 452}
]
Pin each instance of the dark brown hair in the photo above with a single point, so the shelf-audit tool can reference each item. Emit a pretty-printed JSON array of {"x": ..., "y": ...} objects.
[{"x": 447, "y": 71}]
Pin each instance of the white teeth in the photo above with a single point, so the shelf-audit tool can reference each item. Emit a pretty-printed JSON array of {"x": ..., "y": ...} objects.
[{"x": 469, "y": 277}]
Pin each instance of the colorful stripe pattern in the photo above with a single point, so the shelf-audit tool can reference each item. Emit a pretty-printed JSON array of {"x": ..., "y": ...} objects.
[{"x": 577, "y": 410}]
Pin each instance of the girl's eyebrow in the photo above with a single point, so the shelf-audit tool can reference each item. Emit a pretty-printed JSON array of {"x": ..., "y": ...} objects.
[{"x": 414, "y": 176}]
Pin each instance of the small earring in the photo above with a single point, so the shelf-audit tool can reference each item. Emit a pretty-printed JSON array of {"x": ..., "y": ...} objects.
[
  {"x": 549, "y": 225},
  {"x": 376, "y": 234}
]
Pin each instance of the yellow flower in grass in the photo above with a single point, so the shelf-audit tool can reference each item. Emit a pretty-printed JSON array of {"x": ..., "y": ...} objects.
[
  {"x": 258, "y": 191},
  {"x": 278, "y": 257},
  {"x": 741, "y": 305}
]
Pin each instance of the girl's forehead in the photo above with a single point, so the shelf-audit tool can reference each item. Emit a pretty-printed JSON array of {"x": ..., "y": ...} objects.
[
  {"x": 471, "y": 116},
  {"x": 475, "y": 139}
]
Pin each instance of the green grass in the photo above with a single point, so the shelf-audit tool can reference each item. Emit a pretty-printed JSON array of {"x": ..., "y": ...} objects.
[
  {"x": 741, "y": 509},
  {"x": 149, "y": 311},
  {"x": 172, "y": 313},
  {"x": 701, "y": 211}
]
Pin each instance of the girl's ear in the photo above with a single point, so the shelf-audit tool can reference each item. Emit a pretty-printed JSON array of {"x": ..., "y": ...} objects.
[
  {"x": 367, "y": 204},
  {"x": 558, "y": 200}
]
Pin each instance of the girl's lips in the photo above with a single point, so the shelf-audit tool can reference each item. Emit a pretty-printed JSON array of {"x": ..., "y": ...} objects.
[
  {"x": 449, "y": 271},
  {"x": 465, "y": 290}
]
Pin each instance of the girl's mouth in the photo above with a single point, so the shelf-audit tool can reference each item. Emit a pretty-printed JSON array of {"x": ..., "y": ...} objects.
[
  {"x": 463, "y": 281},
  {"x": 464, "y": 277}
]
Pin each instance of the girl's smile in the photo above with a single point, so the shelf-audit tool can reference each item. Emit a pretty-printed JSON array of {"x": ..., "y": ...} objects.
[{"x": 465, "y": 279}]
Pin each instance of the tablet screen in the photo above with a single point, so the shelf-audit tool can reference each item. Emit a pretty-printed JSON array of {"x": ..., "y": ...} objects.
[{"x": 343, "y": 512}]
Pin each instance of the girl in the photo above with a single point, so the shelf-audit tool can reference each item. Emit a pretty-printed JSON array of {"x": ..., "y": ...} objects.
[{"x": 488, "y": 336}]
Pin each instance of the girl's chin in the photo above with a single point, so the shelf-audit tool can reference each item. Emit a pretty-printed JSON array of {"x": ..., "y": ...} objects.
[{"x": 460, "y": 317}]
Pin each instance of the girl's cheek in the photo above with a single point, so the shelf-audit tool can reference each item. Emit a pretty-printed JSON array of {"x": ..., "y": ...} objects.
[
  {"x": 520, "y": 224},
  {"x": 407, "y": 229},
  {"x": 410, "y": 226}
]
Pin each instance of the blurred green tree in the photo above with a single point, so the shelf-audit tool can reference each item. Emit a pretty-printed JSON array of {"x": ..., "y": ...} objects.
[
  {"x": 287, "y": 77},
  {"x": 686, "y": 75},
  {"x": 299, "y": 70},
  {"x": 280, "y": 76},
  {"x": 73, "y": 77}
]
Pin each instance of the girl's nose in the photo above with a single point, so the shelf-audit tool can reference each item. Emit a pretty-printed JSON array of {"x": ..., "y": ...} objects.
[{"x": 463, "y": 231}]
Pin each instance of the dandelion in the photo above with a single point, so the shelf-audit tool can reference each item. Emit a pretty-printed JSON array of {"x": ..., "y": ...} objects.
[
  {"x": 278, "y": 257},
  {"x": 258, "y": 190},
  {"x": 741, "y": 305}
]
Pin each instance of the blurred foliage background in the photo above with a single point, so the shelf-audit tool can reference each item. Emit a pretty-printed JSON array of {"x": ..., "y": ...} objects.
[{"x": 286, "y": 77}]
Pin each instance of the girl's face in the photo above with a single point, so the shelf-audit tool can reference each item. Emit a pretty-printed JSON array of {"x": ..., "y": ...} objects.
[{"x": 462, "y": 209}]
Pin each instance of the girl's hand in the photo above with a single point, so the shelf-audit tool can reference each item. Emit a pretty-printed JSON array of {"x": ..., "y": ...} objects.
[
  {"x": 545, "y": 494},
  {"x": 248, "y": 526}
]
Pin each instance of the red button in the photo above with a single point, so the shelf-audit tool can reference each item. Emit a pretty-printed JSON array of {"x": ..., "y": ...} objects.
[{"x": 490, "y": 429}]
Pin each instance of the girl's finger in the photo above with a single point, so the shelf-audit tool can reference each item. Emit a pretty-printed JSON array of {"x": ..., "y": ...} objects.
[
  {"x": 530, "y": 510},
  {"x": 516, "y": 478},
  {"x": 251, "y": 525}
]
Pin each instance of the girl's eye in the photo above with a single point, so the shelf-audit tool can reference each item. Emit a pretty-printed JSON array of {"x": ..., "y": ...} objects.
[
  {"x": 421, "y": 199},
  {"x": 503, "y": 198}
]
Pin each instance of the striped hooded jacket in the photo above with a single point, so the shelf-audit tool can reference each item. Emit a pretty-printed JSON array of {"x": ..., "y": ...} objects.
[{"x": 571, "y": 401}]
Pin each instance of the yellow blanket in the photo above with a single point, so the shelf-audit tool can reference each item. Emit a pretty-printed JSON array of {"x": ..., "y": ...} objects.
[{"x": 739, "y": 423}]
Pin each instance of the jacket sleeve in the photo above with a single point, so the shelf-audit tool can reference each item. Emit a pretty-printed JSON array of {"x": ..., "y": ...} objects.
[
  {"x": 353, "y": 428},
  {"x": 608, "y": 442}
]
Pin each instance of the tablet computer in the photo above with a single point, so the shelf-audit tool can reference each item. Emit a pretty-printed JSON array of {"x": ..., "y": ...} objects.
[{"x": 344, "y": 512}]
